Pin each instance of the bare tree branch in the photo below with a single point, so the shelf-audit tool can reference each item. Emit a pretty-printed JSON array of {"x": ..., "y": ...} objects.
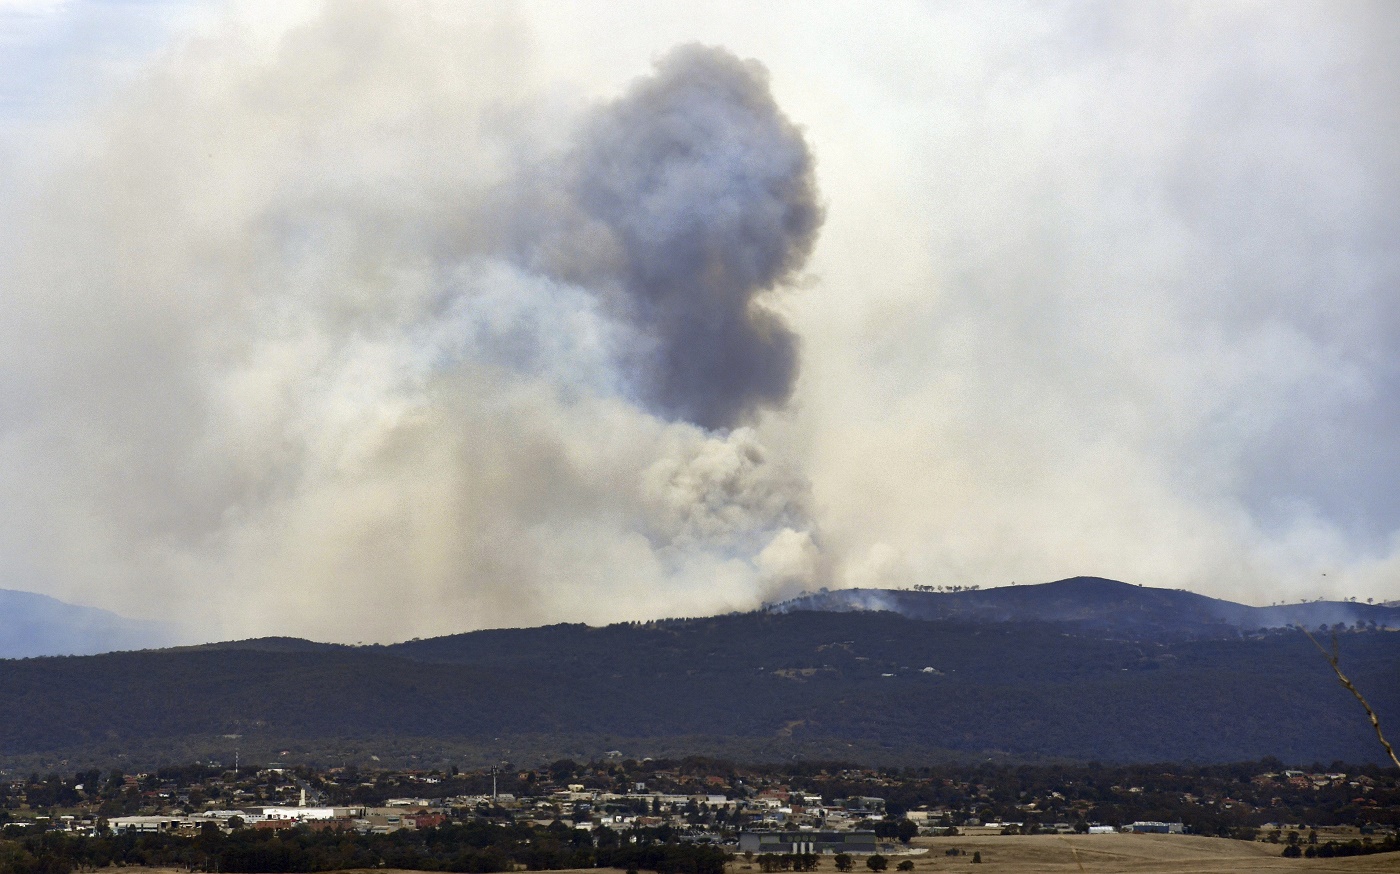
[{"x": 1334, "y": 658}]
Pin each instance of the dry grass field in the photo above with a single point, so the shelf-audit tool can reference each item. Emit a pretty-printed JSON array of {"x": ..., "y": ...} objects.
[
  {"x": 1071, "y": 854},
  {"x": 1112, "y": 854}
]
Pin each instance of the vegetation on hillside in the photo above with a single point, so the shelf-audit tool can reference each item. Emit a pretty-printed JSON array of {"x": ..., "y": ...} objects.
[{"x": 891, "y": 687}]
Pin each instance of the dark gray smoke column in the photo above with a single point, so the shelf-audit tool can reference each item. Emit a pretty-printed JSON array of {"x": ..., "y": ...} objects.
[{"x": 707, "y": 192}]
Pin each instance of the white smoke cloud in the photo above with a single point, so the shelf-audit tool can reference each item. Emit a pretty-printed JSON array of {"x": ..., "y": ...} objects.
[
  {"x": 790, "y": 563},
  {"x": 1138, "y": 325},
  {"x": 324, "y": 327},
  {"x": 721, "y": 490},
  {"x": 280, "y": 358}
]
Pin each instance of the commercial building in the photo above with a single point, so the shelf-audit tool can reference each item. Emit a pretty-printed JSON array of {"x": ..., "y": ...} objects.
[
  {"x": 1158, "y": 828},
  {"x": 806, "y": 842}
]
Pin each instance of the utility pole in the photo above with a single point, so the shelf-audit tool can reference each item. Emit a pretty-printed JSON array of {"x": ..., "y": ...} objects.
[{"x": 235, "y": 738}]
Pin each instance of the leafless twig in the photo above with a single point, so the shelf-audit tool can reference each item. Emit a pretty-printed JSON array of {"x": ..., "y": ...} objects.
[{"x": 1333, "y": 659}]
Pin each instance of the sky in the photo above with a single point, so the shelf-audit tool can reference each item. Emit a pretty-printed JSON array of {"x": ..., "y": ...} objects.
[{"x": 365, "y": 321}]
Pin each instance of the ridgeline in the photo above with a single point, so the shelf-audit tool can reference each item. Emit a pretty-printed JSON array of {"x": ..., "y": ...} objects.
[{"x": 863, "y": 686}]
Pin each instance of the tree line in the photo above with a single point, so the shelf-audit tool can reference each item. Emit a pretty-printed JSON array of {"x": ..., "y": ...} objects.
[{"x": 474, "y": 847}]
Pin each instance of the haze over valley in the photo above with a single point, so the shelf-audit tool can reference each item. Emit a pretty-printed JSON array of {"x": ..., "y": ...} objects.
[{"x": 372, "y": 321}]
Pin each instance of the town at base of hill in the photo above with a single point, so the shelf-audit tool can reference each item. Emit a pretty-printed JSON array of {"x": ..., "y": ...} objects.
[{"x": 665, "y": 815}]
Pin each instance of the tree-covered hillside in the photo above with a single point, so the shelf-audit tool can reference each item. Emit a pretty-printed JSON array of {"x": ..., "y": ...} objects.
[
  {"x": 1097, "y": 605},
  {"x": 891, "y": 687}
]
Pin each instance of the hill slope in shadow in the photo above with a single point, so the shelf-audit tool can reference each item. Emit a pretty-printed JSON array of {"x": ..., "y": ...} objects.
[{"x": 877, "y": 686}]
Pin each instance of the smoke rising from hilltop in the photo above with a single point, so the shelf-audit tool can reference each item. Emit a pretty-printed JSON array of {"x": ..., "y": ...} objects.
[
  {"x": 345, "y": 336},
  {"x": 380, "y": 319}
]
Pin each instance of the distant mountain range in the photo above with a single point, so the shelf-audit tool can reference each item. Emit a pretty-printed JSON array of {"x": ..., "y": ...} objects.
[
  {"x": 37, "y": 625},
  {"x": 1092, "y": 603},
  {"x": 1107, "y": 675}
]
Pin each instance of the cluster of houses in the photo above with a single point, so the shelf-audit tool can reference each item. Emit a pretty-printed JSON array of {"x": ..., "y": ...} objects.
[
  {"x": 774, "y": 821},
  {"x": 396, "y": 814},
  {"x": 362, "y": 819},
  {"x": 1305, "y": 780}
]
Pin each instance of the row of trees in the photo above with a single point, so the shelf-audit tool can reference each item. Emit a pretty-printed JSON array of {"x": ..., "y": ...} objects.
[
  {"x": 1332, "y": 849},
  {"x": 475, "y": 847},
  {"x": 773, "y": 862},
  {"x": 770, "y": 862}
]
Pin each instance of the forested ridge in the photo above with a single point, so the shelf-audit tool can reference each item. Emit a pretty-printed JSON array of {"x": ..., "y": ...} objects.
[{"x": 877, "y": 680}]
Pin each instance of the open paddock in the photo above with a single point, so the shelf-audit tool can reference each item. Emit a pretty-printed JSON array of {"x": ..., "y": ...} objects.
[
  {"x": 1110, "y": 854},
  {"x": 1062, "y": 854}
]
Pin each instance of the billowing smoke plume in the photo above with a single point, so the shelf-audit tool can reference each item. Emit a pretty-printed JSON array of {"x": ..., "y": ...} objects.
[
  {"x": 722, "y": 490},
  {"x": 381, "y": 319},
  {"x": 704, "y": 198},
  {"x": 355, "y": 340}
]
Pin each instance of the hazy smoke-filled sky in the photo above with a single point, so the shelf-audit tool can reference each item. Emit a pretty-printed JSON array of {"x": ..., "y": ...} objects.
[{"x": 364, "y": 321}]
